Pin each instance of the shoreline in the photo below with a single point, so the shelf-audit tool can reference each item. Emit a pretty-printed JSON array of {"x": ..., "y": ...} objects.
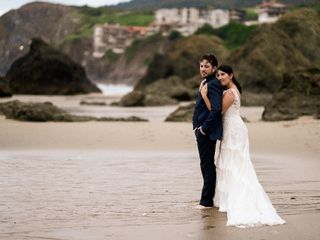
[{"x": 141, "y": 180}]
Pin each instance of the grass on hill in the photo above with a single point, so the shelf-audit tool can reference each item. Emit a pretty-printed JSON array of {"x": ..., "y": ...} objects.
[
  {"x": 234, "y": 34},
  {"x": 89, "y": 17}
]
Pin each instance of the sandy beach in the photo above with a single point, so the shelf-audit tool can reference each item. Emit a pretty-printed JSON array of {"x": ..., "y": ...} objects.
[{"x": 119, "y": 180}]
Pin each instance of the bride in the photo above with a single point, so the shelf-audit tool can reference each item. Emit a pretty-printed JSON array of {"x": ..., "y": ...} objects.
[{"x": 238, "y": 191}]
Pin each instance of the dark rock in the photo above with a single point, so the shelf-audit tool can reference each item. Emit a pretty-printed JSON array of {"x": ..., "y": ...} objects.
[
  {"x": 43, "y": 112},
  {"x": 84, "y": 102},
  {"x": 45, "y": 70},
  {"x": 128, "y": 119},
  {"x": 115, "y": 104},
  {"x": 166, "y": 91},
  {"x": 181, "y": 93},
  {"x": 158, "y": 100},
  {"x": 4, "y": 88},
  {"x": 133, "y": 99},
  {"x": 298, "y": 95},
  {"x": 39, "y": 112},
  {"x": 158, "y": 68},
  {"x": 182, "y": 114}
]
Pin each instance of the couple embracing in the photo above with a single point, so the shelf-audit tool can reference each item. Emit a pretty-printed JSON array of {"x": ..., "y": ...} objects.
[{"x": 229, "y": 180}]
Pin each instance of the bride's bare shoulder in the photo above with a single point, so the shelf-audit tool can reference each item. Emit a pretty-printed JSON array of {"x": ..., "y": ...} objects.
[{"x": 228, "y": 93}]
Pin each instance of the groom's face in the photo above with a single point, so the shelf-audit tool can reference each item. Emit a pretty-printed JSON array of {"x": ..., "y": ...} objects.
[{"x": 206, "y": 68}]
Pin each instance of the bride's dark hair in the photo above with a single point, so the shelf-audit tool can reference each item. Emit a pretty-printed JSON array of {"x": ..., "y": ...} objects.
[{"x": 227, "y": 69}]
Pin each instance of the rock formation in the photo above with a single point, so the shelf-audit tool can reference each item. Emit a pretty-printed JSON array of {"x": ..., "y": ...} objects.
[
  {"x": 298, "y": 95},
  {"x": 45, "y": 70}
]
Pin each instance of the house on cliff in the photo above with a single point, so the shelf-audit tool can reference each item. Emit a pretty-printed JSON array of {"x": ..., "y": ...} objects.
[
  {"x": 115, "y": 37},
  {"x": 270, "y": 11}
]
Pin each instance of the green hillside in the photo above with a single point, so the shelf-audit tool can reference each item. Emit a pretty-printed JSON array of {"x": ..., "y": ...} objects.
[{"x": 91, "y": 16}]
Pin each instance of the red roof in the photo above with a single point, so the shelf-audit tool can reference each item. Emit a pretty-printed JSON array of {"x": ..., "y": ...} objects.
[{"x": 271, "y": 4}]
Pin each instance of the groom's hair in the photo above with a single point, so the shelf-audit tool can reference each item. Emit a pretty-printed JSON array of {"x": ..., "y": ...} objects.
[{"x": 211, "y": 58}]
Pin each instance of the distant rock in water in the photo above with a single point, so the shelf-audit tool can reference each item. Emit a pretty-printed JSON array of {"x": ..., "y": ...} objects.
[
  {"x": 45, "y": 70},
  {"x": 46, "y": 111},
  {"x": 298, "y": 95},
  {"x": 4, "y": 88}
]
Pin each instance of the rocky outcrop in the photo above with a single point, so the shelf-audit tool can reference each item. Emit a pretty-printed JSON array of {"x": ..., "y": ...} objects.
[
  {"x": 161, "y": 92},
  {"x": 173, "y": 75},
  {"x": 133, "y": 64},
  {"x": 298, "y": 95},
  {"x": 90, "y": 103},
  {"x": 39, "y": 112},
  {"x": 43, "y": 112},
  {"x": 45, "y": 70},
  {"x": 289, "y": 44},
  {"x": 182, "y": 114},
  {"x": 182, "y": 58},
  {"x": 4, "y": 88}
]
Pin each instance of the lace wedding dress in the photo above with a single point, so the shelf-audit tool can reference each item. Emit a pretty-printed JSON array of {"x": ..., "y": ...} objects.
[{"x": 238, "y": 191}]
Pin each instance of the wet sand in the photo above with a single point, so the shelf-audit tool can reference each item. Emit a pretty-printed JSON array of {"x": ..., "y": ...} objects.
[{"x": 113, "y": 180}]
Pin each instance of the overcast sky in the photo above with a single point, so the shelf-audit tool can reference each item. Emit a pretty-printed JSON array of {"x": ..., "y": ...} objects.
[{"x": 7, "y": 5}]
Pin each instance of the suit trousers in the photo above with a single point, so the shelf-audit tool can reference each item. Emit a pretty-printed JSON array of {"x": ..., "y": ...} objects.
[{"x": 206, "y": 148}]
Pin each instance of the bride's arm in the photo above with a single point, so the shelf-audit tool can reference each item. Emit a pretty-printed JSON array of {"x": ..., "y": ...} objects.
[
  {"x": 227, "y": 100},
  {"x": 204, "y": 92}
]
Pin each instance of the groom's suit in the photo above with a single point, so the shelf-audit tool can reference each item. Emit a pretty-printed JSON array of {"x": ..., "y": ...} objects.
[{"x": 211, "y": 124}]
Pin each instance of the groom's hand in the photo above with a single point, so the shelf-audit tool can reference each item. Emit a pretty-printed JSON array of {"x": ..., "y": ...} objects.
[{"x": 202, "y": 132}]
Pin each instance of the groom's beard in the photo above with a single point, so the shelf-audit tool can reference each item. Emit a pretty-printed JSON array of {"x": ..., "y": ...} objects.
[{"x": 205, "y": 74}]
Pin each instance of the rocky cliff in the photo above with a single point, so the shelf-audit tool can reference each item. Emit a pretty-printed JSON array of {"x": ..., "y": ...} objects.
[
  {"x": 4, "y": 88},
  {"x": 172, "y": 76},
  {"x": 70, "y": 29},
  {"x": 291, "y": 43},
  {"x": 51, "y": 22}
]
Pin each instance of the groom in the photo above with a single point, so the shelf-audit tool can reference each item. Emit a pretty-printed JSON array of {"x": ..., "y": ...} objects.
[{"x": 208, "y": 127}]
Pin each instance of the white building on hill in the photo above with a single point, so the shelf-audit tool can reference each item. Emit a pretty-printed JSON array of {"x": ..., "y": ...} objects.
[
  {"x": 115, "y": 37},
  {"x": 188, "y": 20},
  {"x": 270, "y": 11}
]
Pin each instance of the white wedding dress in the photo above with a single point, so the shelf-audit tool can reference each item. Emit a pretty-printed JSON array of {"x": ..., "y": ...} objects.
[{"x": 238, "y": 191}]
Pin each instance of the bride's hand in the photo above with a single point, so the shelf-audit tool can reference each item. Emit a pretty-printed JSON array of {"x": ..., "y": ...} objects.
[
  {"x": 204, "y": 90},
  {"x": 201, "y": 85}
]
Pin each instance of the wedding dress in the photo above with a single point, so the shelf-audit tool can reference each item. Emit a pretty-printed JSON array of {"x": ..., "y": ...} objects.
[{"x": 238, "y": 191}]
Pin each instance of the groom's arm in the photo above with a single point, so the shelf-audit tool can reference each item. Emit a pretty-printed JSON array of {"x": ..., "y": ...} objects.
[
  {"x": 195, "y": 122},
  {"x": 215, "y": 97}
]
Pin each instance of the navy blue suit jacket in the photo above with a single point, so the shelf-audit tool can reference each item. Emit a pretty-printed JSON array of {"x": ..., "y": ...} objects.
[{"x": 210, "y": 121}]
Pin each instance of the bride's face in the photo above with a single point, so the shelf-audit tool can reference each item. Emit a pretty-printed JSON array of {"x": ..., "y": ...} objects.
[{"x": 224, "y": 78}]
